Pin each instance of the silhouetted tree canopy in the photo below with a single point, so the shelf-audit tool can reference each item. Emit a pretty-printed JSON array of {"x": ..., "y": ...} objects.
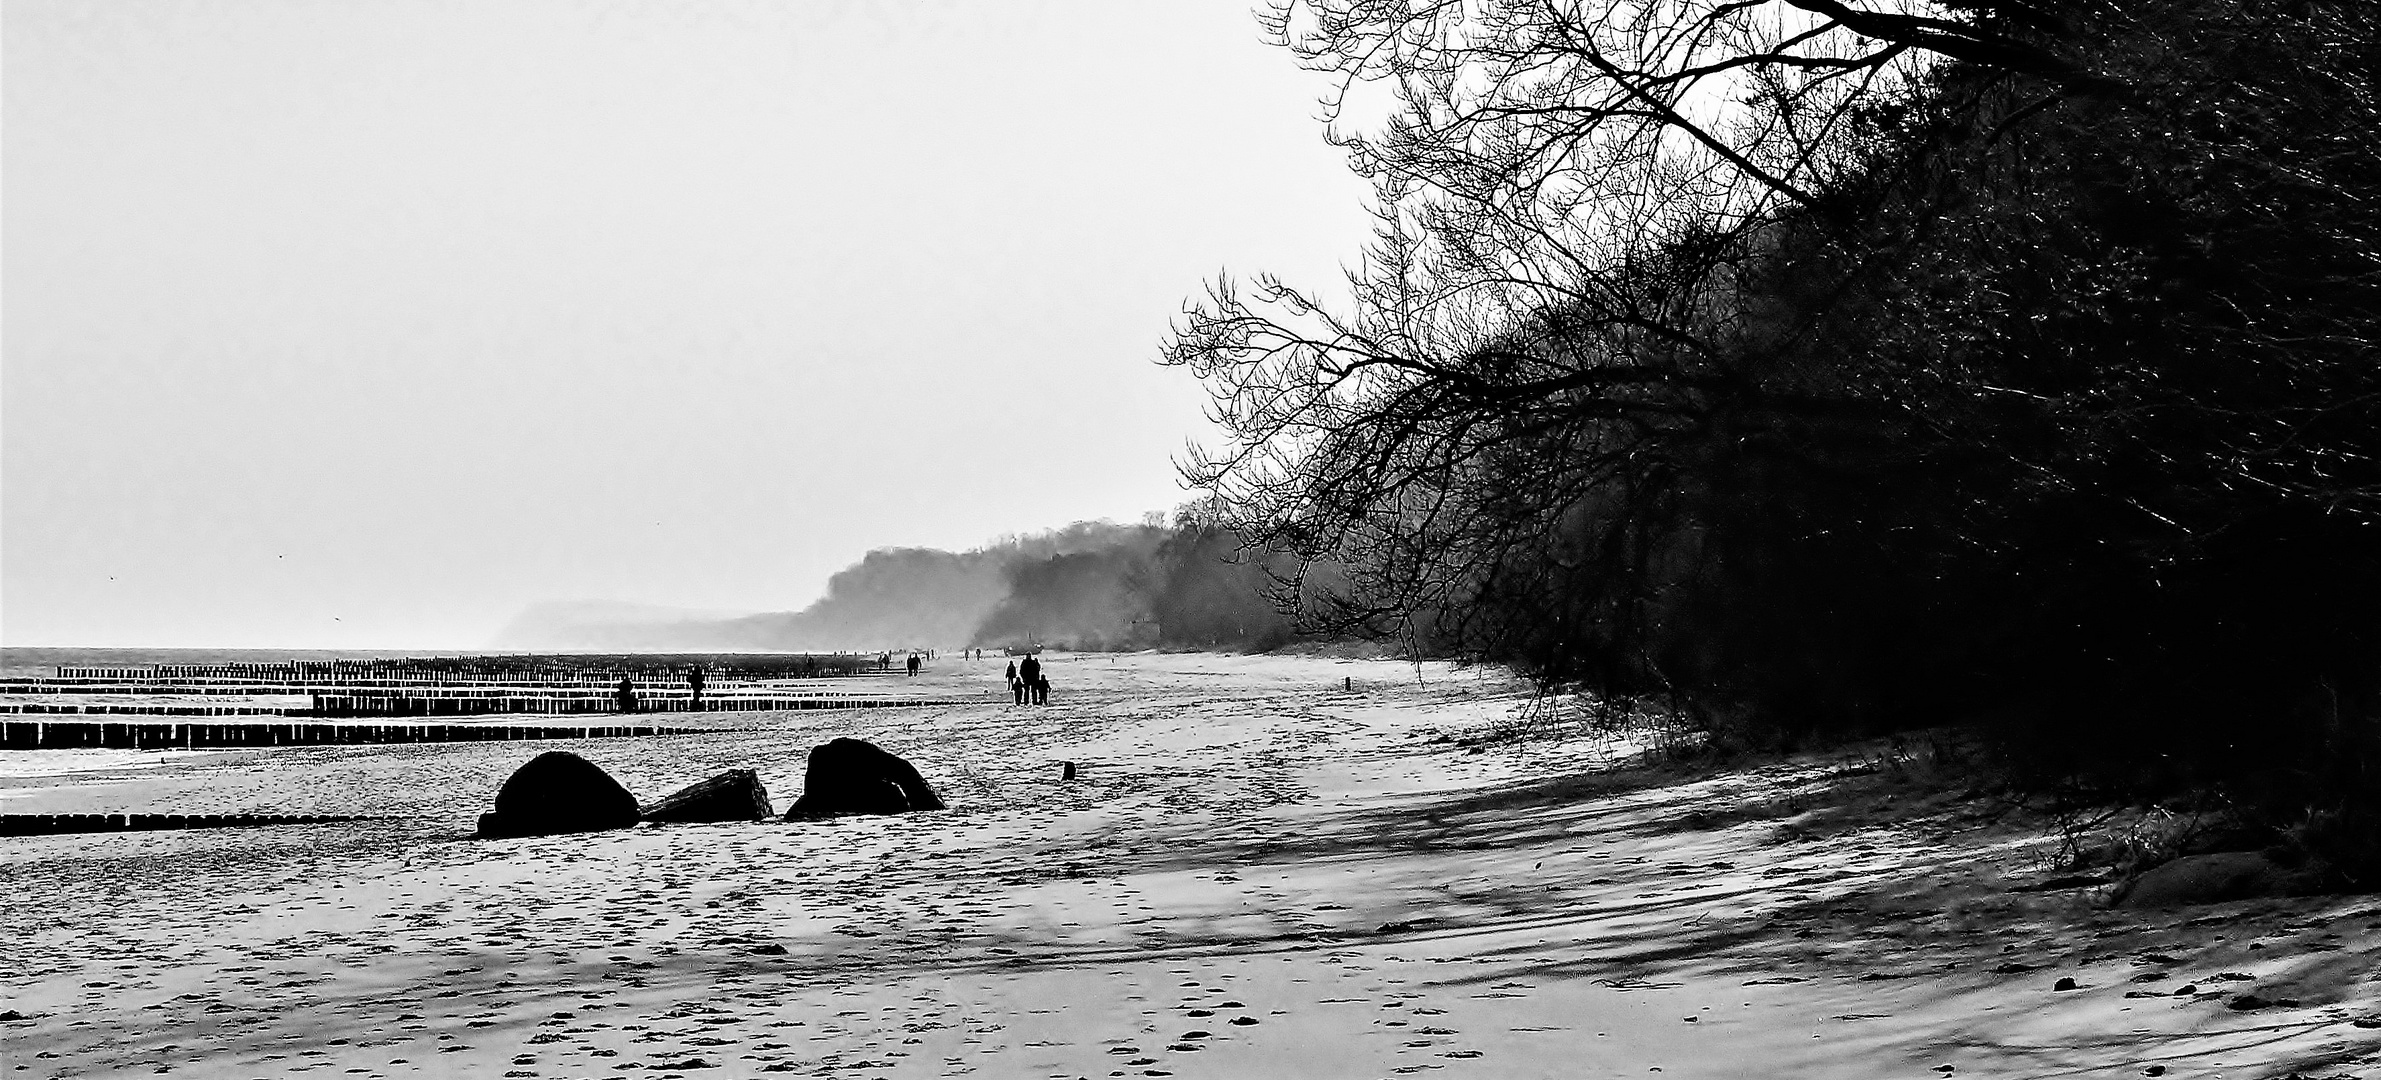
[{"x": 1831, "y": 365}]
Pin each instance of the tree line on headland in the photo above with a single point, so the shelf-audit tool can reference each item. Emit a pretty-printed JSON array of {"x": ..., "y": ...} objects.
[
  {"x": 1820, "y": 367},
  {"x": 1092, "y": 585}
]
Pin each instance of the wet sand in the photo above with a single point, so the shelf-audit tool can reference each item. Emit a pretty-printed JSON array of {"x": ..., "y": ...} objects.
[{"x": 1257, "y": 873}]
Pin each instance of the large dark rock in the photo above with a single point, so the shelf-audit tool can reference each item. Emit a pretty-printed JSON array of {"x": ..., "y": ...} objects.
[
  {"x": 849, "y": 776},
  {"x": 558, "y": 792},
  {"x": 734, "y": 795},
  {"x": 2210, "y": 879}
]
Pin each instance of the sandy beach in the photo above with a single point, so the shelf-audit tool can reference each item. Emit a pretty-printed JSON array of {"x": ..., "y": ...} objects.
[{"x": 1258, "y": 872}]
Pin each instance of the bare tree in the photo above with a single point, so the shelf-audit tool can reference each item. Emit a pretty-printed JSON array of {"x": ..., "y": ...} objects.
[
  {"x": 1561, "y": 192},
  {"x": 1618, "y": 242}
]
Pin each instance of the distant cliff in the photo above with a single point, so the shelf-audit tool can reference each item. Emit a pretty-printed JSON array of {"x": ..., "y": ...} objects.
[
  {"x": 1091, "y": 585},
  {"x": 893, "y": 598}
]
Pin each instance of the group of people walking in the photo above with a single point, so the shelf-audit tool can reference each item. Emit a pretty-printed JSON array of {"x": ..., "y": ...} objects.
[
  {"x": 1027, "y": 684},
  {"x": 625, "y": 696}
]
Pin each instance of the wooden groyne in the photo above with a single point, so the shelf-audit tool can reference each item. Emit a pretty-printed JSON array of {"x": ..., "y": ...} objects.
[
  {"x": 483, "y": 703},
  {"x": 97, "y": 735},
  {"x": 27, "y": 734},
  {"x": 428, "y": 684},
  {"x": 354, "y": 705},
  {"x": 554, "y": 668},
  {"x": 455, "y": 686},
  {"x": 48, "y": 708},
  {"x": 50, "y": 824}
]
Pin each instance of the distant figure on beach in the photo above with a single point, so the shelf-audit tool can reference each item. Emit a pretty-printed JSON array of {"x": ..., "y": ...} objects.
[
  {"x": 694, "y": 683},
  {"x": 1016, "y": 688},
  {"x": 627, "y": 694},
  {"x": 1041, "y": 689},
  {"x": 913, "y": 664},
  {"x": 1029, "y": 673}
]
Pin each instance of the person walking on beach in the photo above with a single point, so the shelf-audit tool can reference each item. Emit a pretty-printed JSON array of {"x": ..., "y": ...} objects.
[
  {"x": 627, "y": 694},
  {"x": 913, "y": 665},
  {"x": 1041, "y": 690},
  {"x": 694, "y": 684},
  {"x": 1015, "y": 687}
]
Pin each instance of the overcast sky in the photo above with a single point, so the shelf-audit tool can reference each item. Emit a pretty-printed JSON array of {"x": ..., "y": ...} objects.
[{"x": 368, "y": 323}]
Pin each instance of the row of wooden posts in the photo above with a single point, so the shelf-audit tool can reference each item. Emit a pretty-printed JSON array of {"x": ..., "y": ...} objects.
[
  {"x": 494, "y": 704},
  {"x": 47, "y": 824},
  {"x": 80, "y": 685},
  {"x": 213, "y": 676},
  {"x": 76, "y": 735},
  {"x": 538, "y": 668},
  {"x": 52, "y": 708},
  {"x": 133, "y": 735},
  {"x": 350, "y": 706},
  {"x": 215, "y": 688}
]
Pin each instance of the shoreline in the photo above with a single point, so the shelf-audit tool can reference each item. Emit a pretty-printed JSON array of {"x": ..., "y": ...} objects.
[{"x": 1247, "y": 842}]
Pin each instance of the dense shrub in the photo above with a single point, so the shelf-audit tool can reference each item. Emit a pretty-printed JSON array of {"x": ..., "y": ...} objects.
[{"x": 2043, "y": 392}]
